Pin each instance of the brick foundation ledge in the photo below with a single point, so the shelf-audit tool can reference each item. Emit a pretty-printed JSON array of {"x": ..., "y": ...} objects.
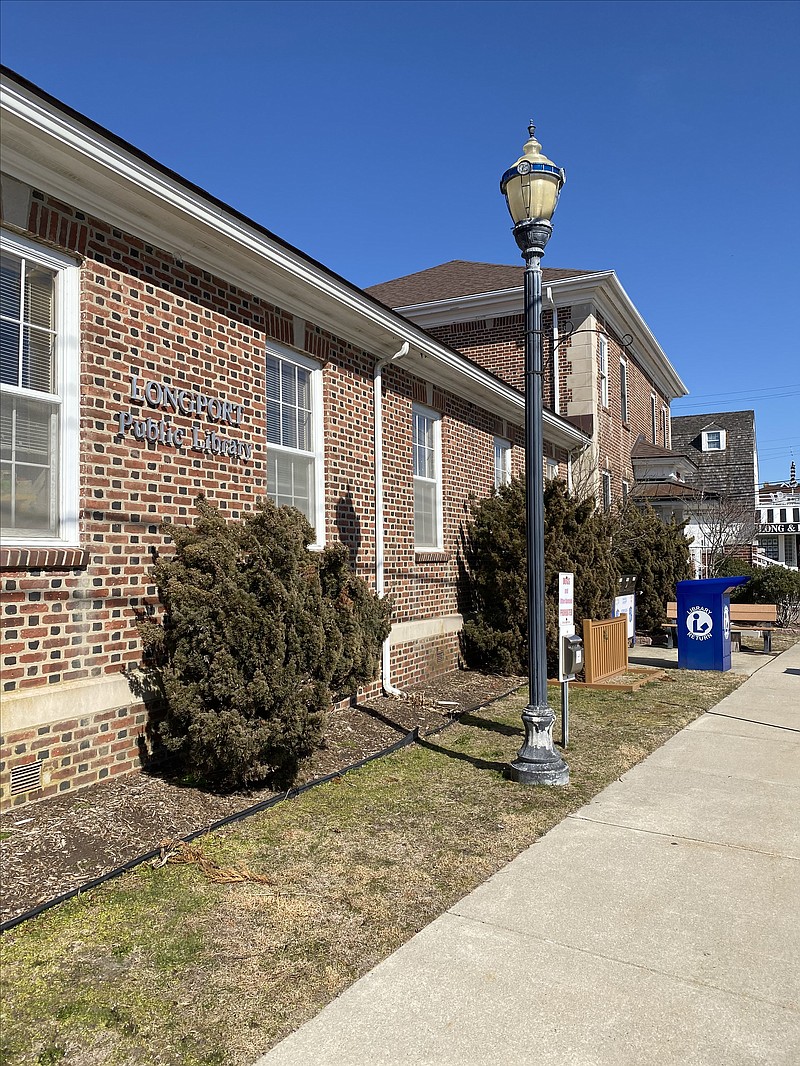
[{"x": 43, "y": 558}]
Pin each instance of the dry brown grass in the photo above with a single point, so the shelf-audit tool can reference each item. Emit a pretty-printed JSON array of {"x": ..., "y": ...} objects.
[{"x": 166, "y": 967}]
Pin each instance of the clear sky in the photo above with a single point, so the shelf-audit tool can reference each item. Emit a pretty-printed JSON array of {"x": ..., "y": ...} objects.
[{"x": 373, "y": 135}]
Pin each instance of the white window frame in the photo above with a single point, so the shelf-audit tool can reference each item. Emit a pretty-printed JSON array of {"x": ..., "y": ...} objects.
[
  {"x": 623, "y": 389},
  {"x": 551, "y": 469},
  {"x": 502, "y": 461},
  {"x": 708, "y": 435},
  {"x": 435, "y": 419},
  {"x": 626, "y": 491},
  {"x": 317, "y": 450},
  {"x": 654, "y": 417},
  {"x": 67, "y": 367},
  {"x": 665, "y": 426},
  {"x": 606, "y": 483},
  {"x": 603, "y": 356}
]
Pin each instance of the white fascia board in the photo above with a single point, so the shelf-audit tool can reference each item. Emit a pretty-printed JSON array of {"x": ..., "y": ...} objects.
[
  {"x": 602, "y": 287},
  {"x": 57, "y": 153},
  {"x": 645, "y": 349}
]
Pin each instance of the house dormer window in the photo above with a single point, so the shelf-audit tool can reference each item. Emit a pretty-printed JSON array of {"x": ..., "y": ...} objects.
[{"x": 713, "y": 440}]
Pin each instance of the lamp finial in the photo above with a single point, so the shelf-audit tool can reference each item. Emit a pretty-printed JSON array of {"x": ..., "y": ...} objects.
[{"x": 531, "y": 128}]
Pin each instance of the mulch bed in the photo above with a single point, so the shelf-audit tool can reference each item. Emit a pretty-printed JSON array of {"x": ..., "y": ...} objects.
[{"x": 60, "y": 844}]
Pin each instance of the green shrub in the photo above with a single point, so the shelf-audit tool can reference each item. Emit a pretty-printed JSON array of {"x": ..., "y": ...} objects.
[
  {"x": 494, "y": 579},
  {"x": 657, "y": 554},
  {"x": 259, "y": 636},
  {"x": 774, "y": 584}
]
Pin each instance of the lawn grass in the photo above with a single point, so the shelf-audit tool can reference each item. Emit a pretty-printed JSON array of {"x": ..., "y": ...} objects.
[{"x": 163, "y": 966}]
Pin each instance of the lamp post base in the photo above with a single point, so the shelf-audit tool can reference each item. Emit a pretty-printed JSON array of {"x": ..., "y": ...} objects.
[{"x": 537, "y": 763}]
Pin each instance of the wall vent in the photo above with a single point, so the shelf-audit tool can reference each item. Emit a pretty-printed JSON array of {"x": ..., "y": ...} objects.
[{"x": 26, "y": 778}]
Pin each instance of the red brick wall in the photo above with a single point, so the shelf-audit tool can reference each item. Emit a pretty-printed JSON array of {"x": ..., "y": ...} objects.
[
  {"x": 498, "y": 345},
  {"x": 616, "y": 438},
  {"x": 71, "y": 618},
  {"x": 75, "y": 752}
]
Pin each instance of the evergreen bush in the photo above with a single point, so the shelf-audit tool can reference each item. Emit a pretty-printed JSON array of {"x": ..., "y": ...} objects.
[
  {"x": 773, "y": 584},
  {"x": 259, "y": 636},
  {"x": 494, "y": 580},
  {"x": 657, "y": 555}
]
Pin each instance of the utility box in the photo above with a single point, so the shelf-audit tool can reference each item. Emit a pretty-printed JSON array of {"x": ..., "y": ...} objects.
[
  {"x": 571, "y": 656},
  {"x": 704, "y": 623}
]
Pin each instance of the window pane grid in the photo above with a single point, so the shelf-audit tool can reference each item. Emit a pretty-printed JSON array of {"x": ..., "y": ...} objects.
[
  {"x": 30, "y": 410},
  {"x": 28, "y": 466},
  {"x": 27, "y": 334},
  {"x": 623, "y": 390},
  {"x": 289, "y": 415},
  {"x": 426, "y": 480},
  {"x": 603, "y": 372},
  {"x": 291, "y": 459}
]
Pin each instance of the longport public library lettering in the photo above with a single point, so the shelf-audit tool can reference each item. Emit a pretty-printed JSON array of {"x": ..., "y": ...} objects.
[{"x": 160, "y": 395}]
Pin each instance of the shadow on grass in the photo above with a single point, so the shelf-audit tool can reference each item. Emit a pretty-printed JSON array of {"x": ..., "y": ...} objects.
[
  {"x": 479, "y": 764},
  {"x": 489, "y": 724}
]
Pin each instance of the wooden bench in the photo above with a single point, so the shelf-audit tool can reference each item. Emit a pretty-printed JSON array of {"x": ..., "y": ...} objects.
[{"x": 747, "y": 617}]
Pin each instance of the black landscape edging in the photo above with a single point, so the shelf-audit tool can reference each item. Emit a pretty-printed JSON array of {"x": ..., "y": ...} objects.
[{"x": 10, "y": 923}]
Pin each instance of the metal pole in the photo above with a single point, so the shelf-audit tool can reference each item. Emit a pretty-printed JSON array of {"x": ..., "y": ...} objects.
[
  {"x": 537, "y": 763},
  {"x": 564, "y": 714}
]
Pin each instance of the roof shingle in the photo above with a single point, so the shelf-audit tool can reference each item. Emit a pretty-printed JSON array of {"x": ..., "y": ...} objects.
[
  {"x": 459, "y": 277},
  {"x": 729, "y": 473}
]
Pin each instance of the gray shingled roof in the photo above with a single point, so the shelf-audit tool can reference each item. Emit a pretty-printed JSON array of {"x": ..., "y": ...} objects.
[
  {"x": 730, "y": 473},
  {"x": 459, "y": 277}
]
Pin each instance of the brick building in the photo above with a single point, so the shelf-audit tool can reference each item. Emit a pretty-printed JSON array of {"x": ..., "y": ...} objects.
[
  {"x": 157, "y": 344},
  {"x": 778, "y": 529},
  {"x": 604, "y": 370}
]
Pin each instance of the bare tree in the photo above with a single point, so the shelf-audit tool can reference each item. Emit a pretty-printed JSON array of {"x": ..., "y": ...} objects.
[{"x": 724, "y": 527}]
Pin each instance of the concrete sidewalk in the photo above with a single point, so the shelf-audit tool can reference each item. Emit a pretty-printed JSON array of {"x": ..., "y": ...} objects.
[{"x": 658, "y": 924}]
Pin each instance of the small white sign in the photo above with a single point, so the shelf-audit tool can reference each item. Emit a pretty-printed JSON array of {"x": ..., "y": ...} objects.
[
  {"x": 566, "y": 621},
  {"x": 566, "y": 600},
  {"x": 625, "y": 605}
]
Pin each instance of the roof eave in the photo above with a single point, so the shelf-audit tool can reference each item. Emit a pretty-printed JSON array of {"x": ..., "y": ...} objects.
[{"x": 52, "y": 148}]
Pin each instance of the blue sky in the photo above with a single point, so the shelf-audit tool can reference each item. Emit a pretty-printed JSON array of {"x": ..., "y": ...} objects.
[{"x": 373, "y": 136}]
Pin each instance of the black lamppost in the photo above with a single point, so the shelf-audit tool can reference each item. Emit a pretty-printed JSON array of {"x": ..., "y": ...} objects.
[{"x": 531, "y": 188}]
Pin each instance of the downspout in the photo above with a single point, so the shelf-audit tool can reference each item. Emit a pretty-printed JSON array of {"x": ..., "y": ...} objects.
[{"x": 377, "y": 381}]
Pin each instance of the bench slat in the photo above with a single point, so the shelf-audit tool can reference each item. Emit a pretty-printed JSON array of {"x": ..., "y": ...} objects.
[{"x": 740, "y": 612}]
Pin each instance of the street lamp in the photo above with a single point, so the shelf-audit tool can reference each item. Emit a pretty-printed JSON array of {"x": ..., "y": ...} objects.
[{"x": 531, "y": 188}]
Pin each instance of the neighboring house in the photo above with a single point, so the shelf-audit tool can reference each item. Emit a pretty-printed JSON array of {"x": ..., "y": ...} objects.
[
  {"x": 156, "y": 345},
  {"x": 722, "y": 478},
  {"x": 778, "y": 531},
  {"x": 603, "y": 368},
  {"x": 663, "y": 479}
]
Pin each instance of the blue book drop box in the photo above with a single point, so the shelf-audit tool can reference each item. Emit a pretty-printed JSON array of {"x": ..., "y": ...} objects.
[{"x": 704, "y": 623}]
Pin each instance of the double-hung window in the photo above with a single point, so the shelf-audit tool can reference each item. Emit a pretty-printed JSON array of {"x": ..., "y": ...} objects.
[
  {"x": 653, "y": 416},
  {"x": 427, "y": 449},
  {"x": 295, "y": 476},
  {"x": 603, "y": 344},
  {"x": 623, "y": 389},
  {"x": 665, "y": 427},
  {"x": 39, "y": 395},
  {"x": 606, "y": 479},
  {"x": 502, "y": 462}
]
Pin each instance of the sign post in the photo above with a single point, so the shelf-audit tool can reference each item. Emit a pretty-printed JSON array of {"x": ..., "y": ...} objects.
[{"x": 566, "y": 628}]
